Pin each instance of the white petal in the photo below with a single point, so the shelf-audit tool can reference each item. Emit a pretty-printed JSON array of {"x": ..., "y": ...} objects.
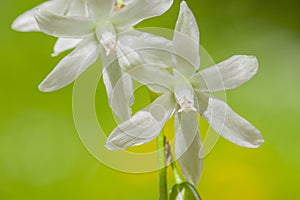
[
  {"x": 63, "y": 44},
  {"x": 119, "y": 90},
  {"x": 131, "y": 62},
  {"x": 71, "y": 66},
  {"x": 152, "y": 49},
  {"x": 186, "y": 41},
  {"x": 230, "y": 125},
  {"x": 156, "y": 80},
  {"x": 64, "y": 26},
  {"x": 100, "y": 8},
  {"x": 127, "y": 57},
  {"x": 78, "y": 8},
  {"x": 138, "y": 10},
  {"x": 26, "y": 22},
  {"x": 188, "y": 146},
  {"x": 144, "y": 126},
  {"x": 228, "y": 74}
]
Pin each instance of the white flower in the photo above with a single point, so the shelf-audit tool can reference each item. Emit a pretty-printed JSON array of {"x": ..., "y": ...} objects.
[
  {"x": 98, "y": 33},
  {"x": 26, "y": 22},
  {"x": 188, "y": 95}
]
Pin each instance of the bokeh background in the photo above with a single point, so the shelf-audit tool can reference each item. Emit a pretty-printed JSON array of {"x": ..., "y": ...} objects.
[{"x": 41, "y": 156}]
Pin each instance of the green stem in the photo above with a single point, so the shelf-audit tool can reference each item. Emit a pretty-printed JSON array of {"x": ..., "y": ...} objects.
[
  {"x": 163, "y": 190},
  {"x": 176, "y": 173}
]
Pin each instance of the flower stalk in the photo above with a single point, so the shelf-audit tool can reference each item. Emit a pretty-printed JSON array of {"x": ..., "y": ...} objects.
[{"x": 162, "y": 173}]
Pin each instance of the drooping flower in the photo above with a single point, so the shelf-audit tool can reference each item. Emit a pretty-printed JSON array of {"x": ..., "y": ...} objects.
[
  {"x": 27, "y": 23},
  {"x": 185, "y": 94},
  {"x": 99, "y": 34}
]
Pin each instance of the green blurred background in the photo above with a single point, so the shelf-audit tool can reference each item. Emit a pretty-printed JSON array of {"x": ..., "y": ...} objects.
[{"x": 41, "y": 156}]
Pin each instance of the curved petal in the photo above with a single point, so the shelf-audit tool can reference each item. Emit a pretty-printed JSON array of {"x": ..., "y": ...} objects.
[
  {"x": 71, "y": 66},
  {"x": 63, "y": 26},
  {"x": 78, "y": 8},
  {"x": 100, "y": 8},
  {"x": 144, "y": 126},
  {"x": 186, "y": 42},
  {"x": 188, "y": 146},
  {"x": 26, "y": 21},
  {"x": 131, "y": 62},
  {"x": 119, "y": 90},
  {"x": 138, "y": 10},
  {"x": 230, "y": 125},
  {"x": 228, "y": 74},
  {"x": 63, "y": 44},
  {"x": 156, "y": 80},
  {"x": 152, "y": 49}
]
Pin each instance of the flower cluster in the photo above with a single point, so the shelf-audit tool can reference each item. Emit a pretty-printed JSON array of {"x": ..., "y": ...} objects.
[{"x": 104, "y": 28}]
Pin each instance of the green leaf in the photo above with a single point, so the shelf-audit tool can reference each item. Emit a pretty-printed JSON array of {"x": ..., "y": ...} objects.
[{"x": 184, "y": 191}]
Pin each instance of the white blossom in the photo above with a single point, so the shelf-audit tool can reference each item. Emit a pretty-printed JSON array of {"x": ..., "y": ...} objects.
[{"x": 186, "y": 95}]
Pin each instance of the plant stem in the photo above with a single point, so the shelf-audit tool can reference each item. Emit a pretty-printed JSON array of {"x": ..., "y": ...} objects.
[{"x": 163, "y": 190}]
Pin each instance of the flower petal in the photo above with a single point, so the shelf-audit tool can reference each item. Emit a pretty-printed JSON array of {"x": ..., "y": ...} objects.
[
  {"x": 230, "y": 125},
  {"x": 186, "y": 41},
  {"x": 71, "y": 66},
  {"x": 144, "y": 126},
  {"x": 119, "y": 90},
  {"x": 63, "y": 26},
  {"x": 138, "y": 10},
  {"x": 131, "y": 62},
  {"x": 228, "y": 74},
  {"x": 63, "y": 44},
  {"x": 152, "y": 49},
  {"x": 26, "y": 21},
  {"x": 156, "y": 80},
  {"x": 78, "y": 8},
  {"x": 100, "y": 8},
  {"x": 188, "y": 146}
]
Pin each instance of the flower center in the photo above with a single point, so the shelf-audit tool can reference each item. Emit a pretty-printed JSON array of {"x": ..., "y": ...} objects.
[
  {"x": 186, "y": 105},
  {"x": 108, "y": 41}
]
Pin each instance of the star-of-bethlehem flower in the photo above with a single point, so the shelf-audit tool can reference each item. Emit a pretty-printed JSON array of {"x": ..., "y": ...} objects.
[
  {"x": 188, "y": 95},
  {"x": 27, "y": 23},
  {"x": 99, "y": 35}
]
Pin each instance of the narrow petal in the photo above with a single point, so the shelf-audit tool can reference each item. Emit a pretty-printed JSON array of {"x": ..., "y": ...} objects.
[
  {"x": 63, "y": 44},
  {"x": 156, "y": 80},
  {"x": 228, "y": 74},
  {"x": 64, "y": 26},
  {"x": 119, "y": 90},
  {"x": 78, "y": 8},
  {"x": 144, "y": 126},
  {"x": 186, "y": 41},
  {"x": 138, "y": 10},
  {"x": 152, "y": 49},
  {"x": 131, "y": 62},
  {"x": 188, "y": 146},
  {"x": 71, "y": 66},
  {"x": 26, "y": 22},
  {"x": 230, "y": 125},
  {"x": 100, "y": 8}
]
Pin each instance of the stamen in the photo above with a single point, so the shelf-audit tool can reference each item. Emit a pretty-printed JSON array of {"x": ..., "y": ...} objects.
[
  {"x": 186, "y": 105},
  {"x": 109, "y": 42}
]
